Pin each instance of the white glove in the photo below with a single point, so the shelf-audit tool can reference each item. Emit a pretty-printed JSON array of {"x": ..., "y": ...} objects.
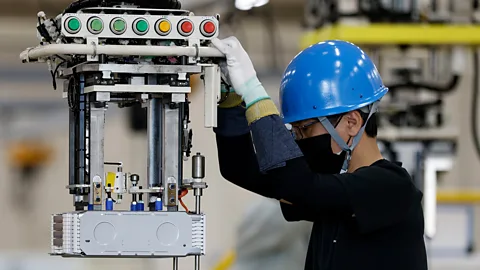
[{"x": 239, "y": 71}]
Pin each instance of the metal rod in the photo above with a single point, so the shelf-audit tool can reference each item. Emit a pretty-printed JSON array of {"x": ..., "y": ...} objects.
[
  {"x": 71, "y": 149},
  {"x": 197, "y": 262},
  {"x": 81, "y": 134},
  {"x": 154, "y": 142},
  {"x": 197, "y": 204},
  {"x": 175, "y": 263},
  {"x": 32, "y": 54}
]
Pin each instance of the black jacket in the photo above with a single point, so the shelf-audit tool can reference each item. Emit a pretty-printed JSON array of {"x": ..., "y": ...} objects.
[{"x": 371, "y": 219}]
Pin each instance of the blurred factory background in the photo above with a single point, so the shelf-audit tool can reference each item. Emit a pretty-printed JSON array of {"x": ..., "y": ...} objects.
[{"x": 424, "y": 49}]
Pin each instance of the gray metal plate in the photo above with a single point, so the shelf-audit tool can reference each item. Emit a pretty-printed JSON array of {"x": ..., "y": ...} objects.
[{"x": 132, "y": 234}]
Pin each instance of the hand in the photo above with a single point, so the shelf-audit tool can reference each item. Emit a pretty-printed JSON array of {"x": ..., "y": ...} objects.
[
  {"x": 238, "y": 67},
  {"x": 239, "y": 71}
]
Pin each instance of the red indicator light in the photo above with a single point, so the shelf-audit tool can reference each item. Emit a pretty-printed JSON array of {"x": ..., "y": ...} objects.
[
  {"x": 209, "y": 27},
  {"x": 186, "y": 27}
]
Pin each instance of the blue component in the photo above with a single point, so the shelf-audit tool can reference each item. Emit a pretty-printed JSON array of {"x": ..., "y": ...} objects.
[
  {"x": 133, "y": 206},
  {"x": 90, "y": 207},
  {"x": 140, "y": 206},
  {"x": 329, "y": 78},
  {"x": 109, "y": 204},
  {"x": 158, "y": 205}
]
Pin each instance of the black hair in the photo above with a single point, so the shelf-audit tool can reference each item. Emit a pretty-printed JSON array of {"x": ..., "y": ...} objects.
[{"x": 371, "y": 127}]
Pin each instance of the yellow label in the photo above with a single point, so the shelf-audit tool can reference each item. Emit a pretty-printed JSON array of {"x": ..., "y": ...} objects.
[{"x": 110, "y": 179}]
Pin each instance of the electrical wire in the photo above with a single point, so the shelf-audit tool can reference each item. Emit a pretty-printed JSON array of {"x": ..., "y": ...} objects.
[
  {"x": 54, "y": 73},
  {"x": 182, "y": 194},
  {"x": 474, "y": 110}
]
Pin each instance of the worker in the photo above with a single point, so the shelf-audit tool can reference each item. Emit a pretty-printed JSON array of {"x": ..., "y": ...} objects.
[{"x": 327, "y": 168}]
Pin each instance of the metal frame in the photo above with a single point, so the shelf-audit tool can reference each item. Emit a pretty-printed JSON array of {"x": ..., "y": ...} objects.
[
  {"x": 97, "y": 75},
  {"x": 433, "y": 165}
]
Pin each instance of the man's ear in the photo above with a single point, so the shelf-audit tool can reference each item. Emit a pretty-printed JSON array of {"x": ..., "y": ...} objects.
[{"x": 354, "y": 123}]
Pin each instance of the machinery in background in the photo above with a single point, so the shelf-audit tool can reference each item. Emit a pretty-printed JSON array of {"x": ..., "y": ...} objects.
[
  {"x": 27, "y": 147},
  {"x": 420, "y": 49},
  {"x": 131, "y": 53},
  {"x": 27, "y": 158},
  {"x": 414, "y": 32}
]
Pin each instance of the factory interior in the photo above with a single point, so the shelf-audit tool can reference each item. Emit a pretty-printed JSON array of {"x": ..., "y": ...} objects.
[{"x": 425, "y": 50}]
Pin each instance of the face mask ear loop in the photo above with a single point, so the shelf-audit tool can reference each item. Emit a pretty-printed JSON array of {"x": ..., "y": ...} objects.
[
  {"x": 331, "y": 130},
  {"x": 356, "y": 139}
]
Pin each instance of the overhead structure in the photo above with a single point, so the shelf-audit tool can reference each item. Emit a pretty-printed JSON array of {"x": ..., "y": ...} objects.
[
  {"x": 395, "y": 34},
  {"x": 127, "y": 53}
]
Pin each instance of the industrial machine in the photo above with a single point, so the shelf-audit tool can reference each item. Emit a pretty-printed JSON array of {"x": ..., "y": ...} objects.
[{"x": 127, "y": 53}]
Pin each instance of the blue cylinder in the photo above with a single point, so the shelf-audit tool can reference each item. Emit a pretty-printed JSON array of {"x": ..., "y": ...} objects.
[
  {"x": 109, "y": 204},
  {"x": 158, "y": 205},
  {"x": 140, "y": 206},
  {"x": 133, "y": 206},
  {"x": 90, "y": 207}
]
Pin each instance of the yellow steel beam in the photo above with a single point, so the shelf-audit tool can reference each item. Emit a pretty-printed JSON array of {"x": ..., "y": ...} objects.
[
  {"x": 392, "y": 34},
  {"x": 227, "y": 261},
  {"x": 458, "y": 197}
]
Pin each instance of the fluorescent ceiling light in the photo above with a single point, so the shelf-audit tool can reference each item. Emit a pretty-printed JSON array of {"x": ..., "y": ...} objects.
[
  {"x": 260, "y": 3},
  {"x": 249, "y": 4}
]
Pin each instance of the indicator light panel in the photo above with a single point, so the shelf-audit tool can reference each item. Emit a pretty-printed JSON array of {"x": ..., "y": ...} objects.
[{"x": 139, "y": 26}]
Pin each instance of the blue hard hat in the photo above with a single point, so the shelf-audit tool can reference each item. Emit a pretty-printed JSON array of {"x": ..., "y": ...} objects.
[{"x": 329, "y": 78}]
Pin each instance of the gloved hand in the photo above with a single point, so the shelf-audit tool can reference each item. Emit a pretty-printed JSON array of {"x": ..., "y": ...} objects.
[{"x": 239, "y": 70}]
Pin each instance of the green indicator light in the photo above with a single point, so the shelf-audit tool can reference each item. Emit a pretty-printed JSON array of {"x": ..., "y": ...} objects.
[
  {"x": 73, "y": 24},
  {"x": 141, "y": 26},
  {"x": 96, "y": 25},
  {"x": 119, "y": 25}
]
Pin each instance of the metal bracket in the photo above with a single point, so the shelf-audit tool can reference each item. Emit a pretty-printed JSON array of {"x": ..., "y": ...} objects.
[{"x": 93, "y": 41}]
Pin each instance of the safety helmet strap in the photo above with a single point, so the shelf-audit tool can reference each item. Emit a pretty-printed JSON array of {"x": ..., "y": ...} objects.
[{"x": 356, "y": 139}]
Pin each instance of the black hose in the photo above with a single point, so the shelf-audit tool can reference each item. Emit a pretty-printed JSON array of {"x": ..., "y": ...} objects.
[
  {"x": 449, "y": 87},
  {"x": 476, "y": 89},
  {"x": 159, "y": 4}
]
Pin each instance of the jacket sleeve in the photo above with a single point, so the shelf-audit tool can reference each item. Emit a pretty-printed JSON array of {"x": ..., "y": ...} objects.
[{"x": 238, "y": 162}]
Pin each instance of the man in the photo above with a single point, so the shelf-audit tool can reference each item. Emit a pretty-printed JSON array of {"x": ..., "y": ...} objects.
[{"x": 367, "y": 217}]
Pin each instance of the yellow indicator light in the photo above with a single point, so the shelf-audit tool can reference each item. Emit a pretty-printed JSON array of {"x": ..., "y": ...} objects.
[{"x": 164, "y": 26}]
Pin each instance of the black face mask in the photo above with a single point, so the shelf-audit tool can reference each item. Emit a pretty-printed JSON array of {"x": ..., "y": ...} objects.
[{"x": 318, "y": 152}]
